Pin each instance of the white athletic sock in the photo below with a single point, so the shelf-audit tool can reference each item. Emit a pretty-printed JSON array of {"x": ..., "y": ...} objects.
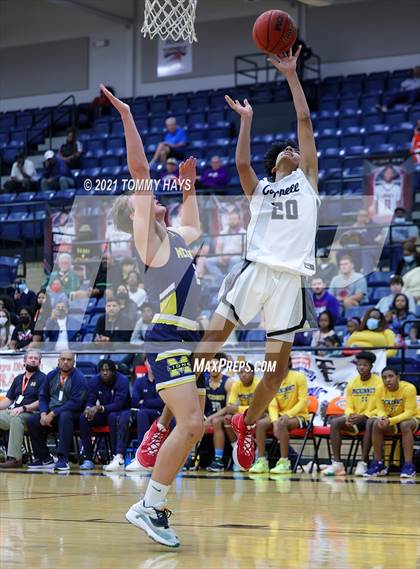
[
  {"x": 155, "y": 496},
  {"x": 161, "y": 427}
]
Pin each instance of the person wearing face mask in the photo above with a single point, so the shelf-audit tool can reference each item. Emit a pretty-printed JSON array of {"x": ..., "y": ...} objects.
[
  {"x": 20, "y": 403},
  {"x": 410, "y": 260},
  {"x": 23, "y": 335},
  {"x": 60, "y": 327},
  {"x": 55, "y": 292},
  {"x": 6, "y": 329},
  {"x": 22, "y": 295},
  {"x": 373, "y": 333}
]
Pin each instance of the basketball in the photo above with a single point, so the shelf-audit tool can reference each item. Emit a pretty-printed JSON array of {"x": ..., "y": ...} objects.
[{"x": 274, "y": 32}]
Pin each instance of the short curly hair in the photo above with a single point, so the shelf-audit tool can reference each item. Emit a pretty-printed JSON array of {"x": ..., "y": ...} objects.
[
  {"x": 121, "y": 214},
  {"x": 270, "y": 158}
]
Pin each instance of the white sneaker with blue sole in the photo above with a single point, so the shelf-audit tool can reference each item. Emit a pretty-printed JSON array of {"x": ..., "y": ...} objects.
[{"x": 154, "y": 522}]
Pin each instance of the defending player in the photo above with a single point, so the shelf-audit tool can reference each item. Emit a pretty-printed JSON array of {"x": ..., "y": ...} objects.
[
  {"x": 170, "y": 269},
  {"x": 280, "y": 253}
]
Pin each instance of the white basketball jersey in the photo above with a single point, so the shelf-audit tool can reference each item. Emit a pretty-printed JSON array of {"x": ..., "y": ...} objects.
[{"x": 283, "y": 226}]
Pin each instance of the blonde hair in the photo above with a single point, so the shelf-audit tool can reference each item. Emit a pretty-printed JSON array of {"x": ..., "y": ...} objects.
[{"x": 122, "y": 210}]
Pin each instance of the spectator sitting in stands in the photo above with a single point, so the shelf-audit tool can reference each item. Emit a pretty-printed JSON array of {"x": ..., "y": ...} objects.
[
  {"x": 8, "y": 303},
  {"x": 398, "y": 315},
  {"x": 108, "y": 397},
  {"x": 326, "y": 328},
  {"x": 326, "y": 268},
  {"x": 333, "y": 342},
  {"x": 62, "y": 396},
  {"x": 173, "y": 145},
  {"x": 142, "y": 324},
  {"x": 409, "y": 92},
  {"x": 217, "y": 176},
  {"x": 56, "y": 173},
  {"x": 229, "y": 248},
  {"x": 324, "y": 300},
  {"x": 71, "y": 150},
  {"x": 23, "y": 176},
  {"x": 169, "y": 177},
  {"x": 55, "y": 292},
  {"x": 24, "y": 335},
  {"x": 22, "y": 296},
  {"x": 61, "y": 328},
  {"x": 146, "y": 408},
  {"x": 353, "y": 324},
  {"x": 287, "y": 411},
  {"x": 373, "y": 333},
  {"x": 348, "y": 286},
  {"x": 112, "y": 326},
  {"x": 402, "y": 229},
  {"x": 410, "y": 260},
  {"x": 20, "y": 402},
  {"x": 128, "y": 307},
  {"x": 360, "y": 407},
  {"x": 415, "y": 144},
  {"x": 101, "y": 104},
  {"x": 396, "y": 411},
  {"x": 412, "y": 284},
  {"x": 43, "y": 310},
  {"x": 127, "y": 266},
  {"x": 68, "y": 278},
  {"x": 108, "y": 275},
  {"x": 396, "y": 284},
  {"x": 6, "y": 329},
  {"x": 136, "y": 290}
]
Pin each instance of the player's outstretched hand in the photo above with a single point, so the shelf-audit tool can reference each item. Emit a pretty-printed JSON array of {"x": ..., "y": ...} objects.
[
  {"x": 244, "y": 110},
  {"x": 286, "y": 63},
  {"x": 121, "y": 107},
  {"x": 188, "y": 170}
]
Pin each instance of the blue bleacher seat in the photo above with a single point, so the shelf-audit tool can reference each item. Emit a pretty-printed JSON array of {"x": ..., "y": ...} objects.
[
  {"x": 379, "y": 278},
  {"x": 357, "y": 311},
  {"x": 351, "y": 120},
  {"x": 378, "y": 137},
  {"x": 26, "y": 196},
  {"x": 351, "y": 139},
  {"x": 8, "y": 270},
  {"x": 376, "y": 293},
  {"x": 34, "y": 226},
  {"x": 198, "y": 102},
  {"x": 369, "y": 119},
  {"x": 382, "y": 149},
  {"x": 158, "y": 105},
  {"x": 395, "y": 117},
  {"x": 65, "y": 195},
  {"x": 7, "y": 122},
  {"x": 11, "y": 228}
]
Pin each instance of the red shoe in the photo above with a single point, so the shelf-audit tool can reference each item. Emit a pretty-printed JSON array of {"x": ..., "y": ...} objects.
[
  {"x": 149, "y": 447},
  {"x": 243, "y": 450}
]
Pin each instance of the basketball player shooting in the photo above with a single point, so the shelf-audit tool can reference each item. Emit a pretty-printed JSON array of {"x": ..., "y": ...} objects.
[
  {"x": 280, "y": 254},
  {"x": 169, "y": 271}
]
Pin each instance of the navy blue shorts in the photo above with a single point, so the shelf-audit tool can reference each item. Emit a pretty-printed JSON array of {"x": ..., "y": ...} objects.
[{"x": 169, "y": 352}]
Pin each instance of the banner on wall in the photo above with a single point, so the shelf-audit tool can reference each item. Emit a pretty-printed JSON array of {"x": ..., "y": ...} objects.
[
  {"x": 11, "y": 366},
  {"x": 174, "y": 58},
  {"x": 328, "y": 376}
]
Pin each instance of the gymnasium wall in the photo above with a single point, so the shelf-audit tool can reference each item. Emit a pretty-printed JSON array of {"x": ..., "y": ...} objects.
[{"x": 361, "y": 36}]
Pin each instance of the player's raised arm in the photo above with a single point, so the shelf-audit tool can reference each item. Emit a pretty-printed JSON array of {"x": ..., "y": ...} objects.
[
  {"x": 246, "y": 173},
  {"x": 309, "y": 159},
  {"x": 190, "y": 228},
  {"x": 146, "y": 232}
]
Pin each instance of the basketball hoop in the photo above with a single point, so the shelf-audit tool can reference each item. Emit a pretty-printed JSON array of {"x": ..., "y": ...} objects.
[{"x": 172, "y": 19}]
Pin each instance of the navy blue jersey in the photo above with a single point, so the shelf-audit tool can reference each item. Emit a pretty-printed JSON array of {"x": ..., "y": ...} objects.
[
  {"x": 215, "y": 398},
  {"x": 176, "y": 284}
]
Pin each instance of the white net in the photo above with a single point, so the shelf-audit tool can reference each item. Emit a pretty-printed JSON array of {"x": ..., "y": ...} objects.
[{"x": 170, "y": 19}]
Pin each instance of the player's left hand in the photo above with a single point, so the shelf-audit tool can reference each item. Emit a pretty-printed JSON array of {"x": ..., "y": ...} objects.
[
  {"x": 188, "y": 170},
  {"x": 286, "y": 63},
  {"x": 121, "y": 107}
]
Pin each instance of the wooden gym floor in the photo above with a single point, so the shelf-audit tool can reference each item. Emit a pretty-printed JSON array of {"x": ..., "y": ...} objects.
[{"x": 224, "y": 521}]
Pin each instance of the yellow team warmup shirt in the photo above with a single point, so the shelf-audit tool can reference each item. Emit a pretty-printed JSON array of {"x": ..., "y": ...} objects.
[
  {"x": 360, "y": 395},
  {"x": 397, "y": 405},
  {"x": 241, "y": 395},
  {"x": 291, "y": 398}
]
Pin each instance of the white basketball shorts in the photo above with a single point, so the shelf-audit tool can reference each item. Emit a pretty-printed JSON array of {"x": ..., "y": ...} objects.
[{"x": 286, "y": 302}]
